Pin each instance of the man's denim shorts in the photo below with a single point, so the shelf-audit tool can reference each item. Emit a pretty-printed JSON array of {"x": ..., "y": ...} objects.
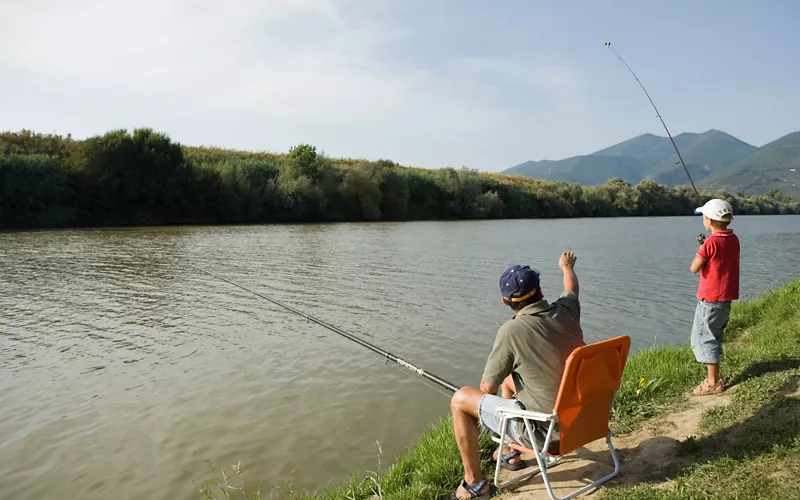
[
  {"x": 491, "y": 419},
  {"x": 710, "y": 320}
]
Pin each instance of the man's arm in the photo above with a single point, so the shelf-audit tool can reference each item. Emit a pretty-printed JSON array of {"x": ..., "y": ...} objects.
[
  {"x": 500, "y": 363},
  {"x": 697, "y": 264},
  {"x": 488, "y": 388},
  {"x": 567, "y": 265}
]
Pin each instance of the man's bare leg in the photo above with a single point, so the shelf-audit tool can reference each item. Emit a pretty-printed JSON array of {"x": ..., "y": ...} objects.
[
  {"x": 508, "y": 389},
  {"x": 464, "y": 407}
]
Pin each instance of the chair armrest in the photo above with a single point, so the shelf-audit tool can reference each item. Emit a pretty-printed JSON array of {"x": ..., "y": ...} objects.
[{"x": 534, "y": 415}]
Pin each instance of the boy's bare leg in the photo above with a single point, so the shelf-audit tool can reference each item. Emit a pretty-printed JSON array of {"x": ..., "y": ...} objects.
[{"x": 713, "y": 373}]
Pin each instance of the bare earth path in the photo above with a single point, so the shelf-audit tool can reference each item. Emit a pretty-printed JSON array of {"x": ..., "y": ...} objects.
[{"x": 643, "y": 454}]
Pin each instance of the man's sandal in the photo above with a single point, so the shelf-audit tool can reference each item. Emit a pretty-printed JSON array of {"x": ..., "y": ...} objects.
[
  {"x": 507, "y": 465},
  {"x": 475, "y": 490},
  {"x": 706, "y": 389}
]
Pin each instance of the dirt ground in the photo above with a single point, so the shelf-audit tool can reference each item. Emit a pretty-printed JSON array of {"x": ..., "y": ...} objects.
[{"x": 642, "y": 454}]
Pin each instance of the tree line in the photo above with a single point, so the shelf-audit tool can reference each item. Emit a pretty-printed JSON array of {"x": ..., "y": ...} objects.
[{"x": 143, "y": 177}]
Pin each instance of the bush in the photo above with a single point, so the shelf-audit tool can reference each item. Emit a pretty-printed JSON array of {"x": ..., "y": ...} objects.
[
  {"x": 144, "y": 178},
  {"x": 34, "y": 192}
]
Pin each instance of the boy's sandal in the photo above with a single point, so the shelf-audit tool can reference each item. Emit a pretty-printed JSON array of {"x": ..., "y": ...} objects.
[
  {"x": 705, "y": 388},
  {"x": 507, "y": 465},
  {"x": 475, "y": 490}
]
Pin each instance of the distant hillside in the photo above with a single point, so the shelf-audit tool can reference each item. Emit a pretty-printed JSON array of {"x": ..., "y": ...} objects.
[
  {"x": 703, "y": 153},
  {"x": 714, "y": 158},
  {"x": 586, "y": 170},
  {"x": 773, "y": 166}
]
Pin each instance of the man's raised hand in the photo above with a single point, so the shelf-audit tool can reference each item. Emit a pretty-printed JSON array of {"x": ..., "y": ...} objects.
[{"x": 567, "y": 260}]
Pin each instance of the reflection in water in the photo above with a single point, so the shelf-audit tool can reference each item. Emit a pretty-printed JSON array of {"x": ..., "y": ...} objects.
[{"x": 124, "y": 373}]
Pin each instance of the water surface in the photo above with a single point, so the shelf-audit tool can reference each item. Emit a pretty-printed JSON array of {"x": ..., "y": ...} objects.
[{"x": 125, "y": 373}]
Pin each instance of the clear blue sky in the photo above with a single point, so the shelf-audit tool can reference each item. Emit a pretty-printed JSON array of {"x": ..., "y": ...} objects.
[{"x": 481, "y": 84}]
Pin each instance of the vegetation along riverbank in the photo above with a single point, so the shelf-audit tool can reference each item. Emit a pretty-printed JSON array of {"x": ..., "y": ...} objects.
[
  {"x": 142, "y": 177},
  {"x": 744, "y": 443}
]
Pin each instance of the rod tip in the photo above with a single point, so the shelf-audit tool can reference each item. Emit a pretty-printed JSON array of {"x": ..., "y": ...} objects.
[{"x": 607, "y": 44}]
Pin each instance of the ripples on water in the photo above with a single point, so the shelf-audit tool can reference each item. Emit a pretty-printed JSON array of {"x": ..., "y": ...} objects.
[{"x": 124, "y": 373}]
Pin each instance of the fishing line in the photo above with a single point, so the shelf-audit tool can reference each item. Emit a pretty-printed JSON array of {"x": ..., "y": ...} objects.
[
  {"x": 608, "y": 45},
  {"x": 386, "y": 354}
]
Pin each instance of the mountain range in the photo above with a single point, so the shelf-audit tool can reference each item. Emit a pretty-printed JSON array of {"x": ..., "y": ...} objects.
[{"x": 716, "y": 160}]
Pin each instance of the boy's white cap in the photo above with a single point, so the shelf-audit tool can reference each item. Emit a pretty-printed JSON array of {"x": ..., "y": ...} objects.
[{"x": 716, "y": 209}]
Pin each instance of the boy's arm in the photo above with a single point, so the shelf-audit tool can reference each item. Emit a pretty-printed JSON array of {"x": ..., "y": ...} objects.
[
  {"x": 707, "y": 250},
  {"x": 697, "y": 264}
]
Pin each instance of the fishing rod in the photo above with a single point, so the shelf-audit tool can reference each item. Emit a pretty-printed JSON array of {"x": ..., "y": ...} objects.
[
  {"x": 386, "y": 354},
  {"x": 608, "y": 45}
]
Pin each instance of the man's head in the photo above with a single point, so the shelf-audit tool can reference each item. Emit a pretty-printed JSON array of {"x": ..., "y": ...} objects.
[
  {"x": 717, "y": 214},
  {"x": 519, "y": 286}
]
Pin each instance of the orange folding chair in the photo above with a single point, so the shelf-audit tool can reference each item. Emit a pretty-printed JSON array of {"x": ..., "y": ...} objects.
[{"x": 591, "y": 378}]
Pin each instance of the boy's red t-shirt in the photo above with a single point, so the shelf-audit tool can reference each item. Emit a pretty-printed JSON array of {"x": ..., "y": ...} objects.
[{"x": 719, "y": 276}]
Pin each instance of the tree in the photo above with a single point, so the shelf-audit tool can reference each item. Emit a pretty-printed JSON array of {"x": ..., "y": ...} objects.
[
  {"x": 651, "y": 198},
  {"x": 33, "y": 192},
  {"x": 361, "y": 191},
  {"x": 132, "y": 178},
  {"x": 621, "y": 194},
  {"x": 303, "y": 160},
  {"x": 394, "y": 190}
]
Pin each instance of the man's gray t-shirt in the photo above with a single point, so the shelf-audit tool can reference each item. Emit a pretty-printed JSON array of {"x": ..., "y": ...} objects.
[{"x": 533, "y": 347}]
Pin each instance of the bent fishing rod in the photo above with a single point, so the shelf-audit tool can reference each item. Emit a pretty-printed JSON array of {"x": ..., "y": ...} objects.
[
  {"x": 386, "y": 354},
  {"x": 658, "y": 114}
]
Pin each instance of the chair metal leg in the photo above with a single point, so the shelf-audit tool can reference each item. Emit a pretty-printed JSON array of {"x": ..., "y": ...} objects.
[
  {"x": 591, "y": 486},
  {"x": 545, "y": 462},
  {"x": 551, "y": 461},
  {"x": 500, "y": 450}
]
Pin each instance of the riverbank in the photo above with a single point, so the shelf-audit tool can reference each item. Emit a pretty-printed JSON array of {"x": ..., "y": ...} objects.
[
  {"x": 144, "y": 178},
  {"x": 747, "y": 446}
]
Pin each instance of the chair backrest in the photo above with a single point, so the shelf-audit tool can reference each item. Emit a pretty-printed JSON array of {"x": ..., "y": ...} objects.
[{"x": 591, "y": 377}]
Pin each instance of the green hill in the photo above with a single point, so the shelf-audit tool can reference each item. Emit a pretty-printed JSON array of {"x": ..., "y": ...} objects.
[
  {"x": 646, "y": 156},
  {"x": 716, "y": 160},
  {"x": 648, "y": 149},
  {"x": 773, "y": 166},
  {"x": 703, "y": 153},
  {"x": 588, "y": 170}
]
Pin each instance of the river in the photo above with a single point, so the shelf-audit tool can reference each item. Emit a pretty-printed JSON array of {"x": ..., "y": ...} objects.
[{"x": 126, "y": 374}]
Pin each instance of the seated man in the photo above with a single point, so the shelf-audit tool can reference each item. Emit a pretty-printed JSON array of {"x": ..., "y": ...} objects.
[{"x": 532, "y": 349}]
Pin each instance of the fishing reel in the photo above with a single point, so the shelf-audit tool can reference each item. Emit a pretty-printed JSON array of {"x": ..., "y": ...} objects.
[{"x": 701, "y": 238}]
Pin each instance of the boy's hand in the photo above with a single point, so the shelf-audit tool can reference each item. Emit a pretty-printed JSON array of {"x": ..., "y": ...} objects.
[{"x": 567, "y": 260}]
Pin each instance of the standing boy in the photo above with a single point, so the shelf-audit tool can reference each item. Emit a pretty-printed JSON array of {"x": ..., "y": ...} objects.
[{"x": 717, "y": 261}]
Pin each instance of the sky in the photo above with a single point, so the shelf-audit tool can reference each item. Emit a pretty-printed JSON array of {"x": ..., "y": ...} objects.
[{"x": 429, "y": 83}]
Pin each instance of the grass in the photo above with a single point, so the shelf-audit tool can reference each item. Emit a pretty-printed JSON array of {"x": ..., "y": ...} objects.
[
  {"x": 230, "y": 486},
  {"x": 749, "y": 449}
]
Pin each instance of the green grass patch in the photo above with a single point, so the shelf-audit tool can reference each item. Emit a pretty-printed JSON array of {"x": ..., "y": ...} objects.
[
  {"x": 763, "y": 336},
  {"x": 750, "y": 448}
]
